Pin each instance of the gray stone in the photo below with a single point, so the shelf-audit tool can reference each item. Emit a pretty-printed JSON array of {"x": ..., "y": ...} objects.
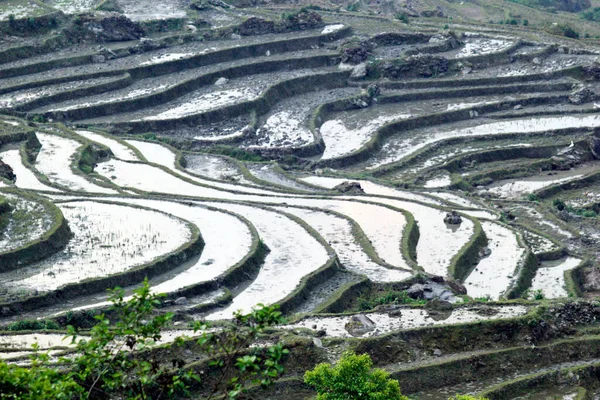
[
  {"x": 181, "y": 301},
  {"x": 581, "y": 95},
  {"x": 437, "y": 352},
  {"x": 98, "y": 59},
  {"x": 359, "y": 325},
  {"x": 359, "y": 72},
  {"x": 594, "y": 143},
  {"x": 317, "y": 342},
  {"x": 518, "y": 107},
  {"x": 349, "y": 187},
  {"x": 536, "y": 61},
  {"x": 221, "y": 81},
  {"x": 453, "y": 218}
]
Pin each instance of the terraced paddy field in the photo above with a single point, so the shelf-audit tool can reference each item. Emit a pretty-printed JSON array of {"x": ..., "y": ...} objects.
[{"x": 428, "y": 196}]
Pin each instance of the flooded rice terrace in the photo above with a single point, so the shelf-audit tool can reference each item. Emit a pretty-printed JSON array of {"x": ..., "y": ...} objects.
[{"x": 426, "y": 195}]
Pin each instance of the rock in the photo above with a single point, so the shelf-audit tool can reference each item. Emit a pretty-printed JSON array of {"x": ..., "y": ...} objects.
[
  {"x": 98, "y": 59},
  {"x": 7, "y": 172},
  {"x": 317, "y": 342},
  {"x": 235, "y": 36},
  {"x": 437, "y": 12},
  {"x": 302, "y": 21},
  {"x": 357, "y": 54},
  {"x": 565, "y": 215},
  {"x": 111, "y": 27},
  {"x": 268, "y": 53},
  {"x": 359, "y": 325},
  {"x": 536, "y": 61},
  {"x": 437, "y": 352},
  {"x": 518, "y": 107},
  {"x": 255, "y": 26},
  {"x": 221, "y": 81},
  {"x": 181, "y": 301},
  {"x": 421, "y": 65},
  {"x": 349, "y": 187},
  {"x": 359, "y": 72},
  {"x": 485, "y": 252},
  {"x": 191, "y": 28},
  {"x": 594, "y": 143},
  {"x": 581, "y": 95},
  {"x": 431, "y": 291},
  {"x": 453, "y": 218}
]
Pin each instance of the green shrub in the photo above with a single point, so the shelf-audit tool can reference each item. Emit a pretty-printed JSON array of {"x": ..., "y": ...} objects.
[
  {"x": 353, "y": 7},
  {"x": 525, "y": 22},
  {"x": 353, "y": 378},
  {"x": 559, "y": 204},
  {"x": 32, "y": 325},
  {"x": 118, "y": 361},
  {"x": 402, "y": 16},
  {"x": 390, "y": 297},
  {"x": 591, "y": 15},
  {"x": 533, "y": 197}
]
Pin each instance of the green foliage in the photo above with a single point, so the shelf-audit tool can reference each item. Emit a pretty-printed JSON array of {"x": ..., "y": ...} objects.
[
  {"x": 353, "y": 7},
  {"x": 533, "y": 197},
  {"x": 353, "y": 378},
  {"x": 38, "y": 381},
  {"x": 559, "y": 204},
  {"x": 402, "y": 16},
  {"x": 32, "y": 325},
  {"x": 591, "y": 15},
  {"x": 562, "y": 30},
  {"x": 390, "y": 297},
  {"x": 118, "y": 360},
  {"x": 233, "y": 356},
  {"x": 149, "y": 136},
  {"x": 525, "y": 22}
]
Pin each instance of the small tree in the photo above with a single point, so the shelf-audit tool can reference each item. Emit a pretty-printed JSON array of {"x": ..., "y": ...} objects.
[
  {"x": 353, "y": 378},
  {"x": 120, "y": 360}
]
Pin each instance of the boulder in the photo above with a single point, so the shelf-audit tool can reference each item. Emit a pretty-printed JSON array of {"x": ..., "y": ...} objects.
[
  {"x": 581, "y": 95},
  {"x": 349, "y": 187},
  {"x": 430, "y": 291},
  {"x": 110, "y": 27},
  {"x": 359, "y": 71},
  {"x": 356, "y": 54},
  {"x": 359, "y": 325},
  {"x": 181, "y": 301},
  {"x": 221, "y": 81},
  {"x": 303, "y": 20},
  {"x": 255, "y": 26},
  {"x": 7, "y": 172},
  {"x": 453, "y": 218},
  {"x": 594, "y": 143}
]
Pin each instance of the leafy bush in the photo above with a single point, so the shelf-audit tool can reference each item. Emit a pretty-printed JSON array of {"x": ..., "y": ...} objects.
[
  {"x": 533, "y": 197},
  {"x": 559, "y": 204},
  {"x": 32, "y": 325},
  {"x": 562, "y": 30},
  {"x": 402, "y": 16},
  {"x": 391, "y": 297},
  {"x": 353, "y": 7},
  {"x": 353, "y": 378},
  {"x": 591, "y": 15},
  {"x": 119, "y": 361}
]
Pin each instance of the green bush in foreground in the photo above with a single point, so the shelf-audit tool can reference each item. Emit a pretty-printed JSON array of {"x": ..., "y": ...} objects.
[
  {"x": 118, "y": 360},
  {"x": 353, "y": 378}
]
